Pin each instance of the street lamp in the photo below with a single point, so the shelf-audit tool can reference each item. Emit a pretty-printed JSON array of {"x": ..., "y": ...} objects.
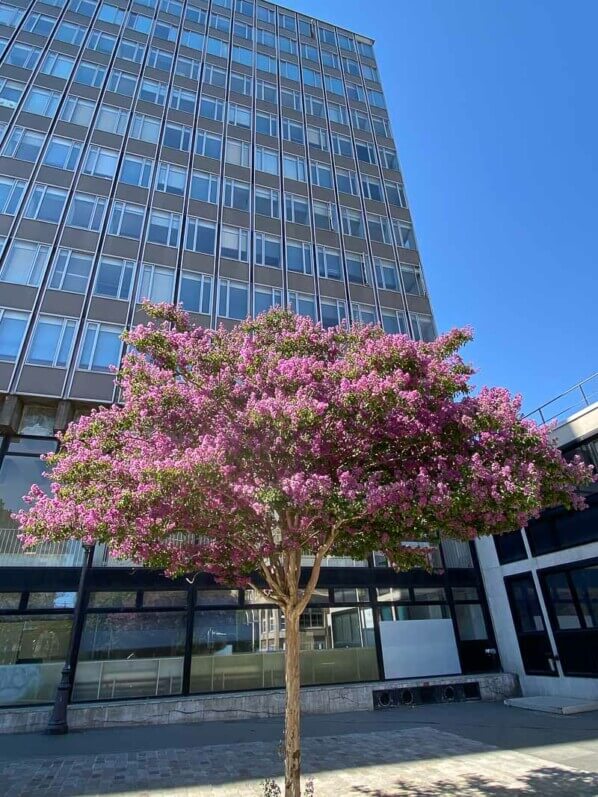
[{"x": 58, "y": 719}]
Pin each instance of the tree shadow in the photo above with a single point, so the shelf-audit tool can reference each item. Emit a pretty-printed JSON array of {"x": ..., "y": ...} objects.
[{"x": 545, "y": 781}]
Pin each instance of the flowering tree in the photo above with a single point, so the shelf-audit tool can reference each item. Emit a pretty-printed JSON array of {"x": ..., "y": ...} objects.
[{"x": 235, "y": 452}]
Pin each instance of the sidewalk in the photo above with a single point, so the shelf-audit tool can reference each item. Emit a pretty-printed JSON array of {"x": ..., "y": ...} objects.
[{"x": 430, "y": 751}]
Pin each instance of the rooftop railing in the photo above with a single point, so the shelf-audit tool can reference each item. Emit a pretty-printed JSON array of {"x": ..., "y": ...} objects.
[{"x": 558, "y": 409}]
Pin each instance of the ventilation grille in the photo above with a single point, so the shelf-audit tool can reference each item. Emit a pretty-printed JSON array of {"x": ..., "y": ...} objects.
[{"x": 422, "y": 695}]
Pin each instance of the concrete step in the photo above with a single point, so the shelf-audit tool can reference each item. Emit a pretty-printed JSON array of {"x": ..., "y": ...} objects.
[{"x": 553, "y": 704}]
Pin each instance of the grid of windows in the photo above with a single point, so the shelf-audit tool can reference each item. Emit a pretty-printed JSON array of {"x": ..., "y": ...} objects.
[{"x": 279, "y": 161}]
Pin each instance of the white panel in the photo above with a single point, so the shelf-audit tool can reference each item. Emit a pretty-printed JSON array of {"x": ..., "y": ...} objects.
[{"x": 416, "y": 648}]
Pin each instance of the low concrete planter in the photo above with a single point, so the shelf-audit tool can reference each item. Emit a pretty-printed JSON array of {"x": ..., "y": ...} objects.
[{"x": 239, "y": 705}]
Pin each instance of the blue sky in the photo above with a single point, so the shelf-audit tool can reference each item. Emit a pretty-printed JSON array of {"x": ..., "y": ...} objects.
[{"x": 493, "y": 104}]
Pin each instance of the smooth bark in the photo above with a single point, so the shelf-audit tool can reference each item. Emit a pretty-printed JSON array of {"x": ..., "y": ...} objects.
[{"x": 292, "y": 716}]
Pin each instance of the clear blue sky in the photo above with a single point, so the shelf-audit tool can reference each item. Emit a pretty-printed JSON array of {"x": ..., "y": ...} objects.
[{"x": 494, "y": 109}]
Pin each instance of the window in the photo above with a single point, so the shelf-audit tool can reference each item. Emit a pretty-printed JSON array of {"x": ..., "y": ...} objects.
[
  {"x": 376, "y": 98},
  {"x": 177, "y": 136},
  {"x": 370, "y": 73},
  {"x": 12, "y": 331},
  {"x": 219, "y": 22},
  {"x": 39, "y": 24},
  {"x": 11, "y": 193},
  {"x": 334, "y": 84},
  {"x": 110, "y": 13},
  {"x": 267, "y": 202},
  {"x": 171, "y": 179},
  {"x": 11, "y": 92},
  {"x": 329, "y": 262},
  {"x": 357, "y": 267},
  {"x": 303, "y": 304},
  {"x": 327, "y": 36},
  {"x": 264, "y": 298},
  {"x": 195, "y": 292},
  {"x": 101, "y": 42},
  {"x": 139, "y": 22},
  {"x": 174, "y": 7},
  {"x": 164, "y": 228},
  {"x": 289, "y": 70},
  {"x": 267, "y": 250},
  {"x": 334, "y": 311},
  {"x": 192, "y": 39},
  {"x": 237, "y": 152},
  {"x": 62, "y": 153},
  {"x": 266, "y": 123},
  {"x": 114, "y": 278},
  {"x": 126, "y": 220},
  {"x": 204, "y": 186},
  {"x": 52, "y": 341},
  {"x": 24, "y": 145},
  {"x": 239, "y": 115},
  {"x": 363, "y": 313},
  {"x": 299, "y": 257},
  {"x": 89, "y": 74},
  {"x": 234, "y": 243},
  {"x": 244, "y": 7},
  {"x": 71, "y": 271},
  {"x": 152, "y": 91},
  {"x": 112, "y": 120},
  {"x": 268, "y": 39},
  {"x": 325, "y": 216},
  {"x": 294, "y": 168},
  {"x": 352, "y": 222},
  {"x": 360, "y": 120},
  {"x": 42, "y": 102},
  {"x": 389, "y": 159},
  {"x": 296, "y": 209},
  {"x": 310, "y": 53},
  {"x": 423, "y": 327},
  {"x": 386, "y": 274},
  {"x": 87, "y": 212},
  {"x": 200, "y": 236},
  {"x": 321, "y": 174},
  {"x": 101, "y": 347},
  {"x": 242, "y": 84},
  {"x": 265, "y": 14},
  {"x": 101, "y": 162},
  {"x": 213, "y": 75},
  {"x": 292, "y": 131},
  {"x": 211, "y": 108},
  {"x": 266, "y": 63},
  {"x": 266, "y": 91},
  {"x": 160, "y": 59},
  {"x": 157, "y": 283},
  {"x": 290, "y": 99},
  {"x": 70, "y": 33},
  {"x": 351, "y": 67},
  {"x": 330, "y": 59},
  {"x": 145, "y": 128},
  {"x": 346, "y": 181},
  {"x": 25, "y": 263},
  {"x": 337, "y": 113},
  {"x": 266, "y": 160},
  {"x": 287, "y": 22},
  {"x": 317, "y": 138},
  {"x": 365, "y": 49},
  {"x": 208, "y": 144},
  {"x": 217, "y": 47},
  {"x": 122, "y": 83},
  {"x": 23, "y": 55},
  {"x": 341, "y": 145},
  {"x": 131, "y": 50},
  {"x": 189, "y": 68},
  {"x": 355, "y": 91},
  {"x": 136, "y": 170},
  {"x": 372, "y": 188},
  {"x": 194, "y": 14},
  {"x": 77, "y": 111},
  {"x": 393, "y": 322},
  {"x": 314, "y": 106},
  {"x": 307, "y": 28},
  {"x": 233, "y": 299},
  {"x": 242, "y": 55},
  {"x": 345, "y": 42},
  {"x": 10, "y": 16},
  {"x": 382, "y": 126},
  {"x": 404, "y": 234},
  {"x": 413, "y": 280},
  {"x": 46, "y": 203},
  {"x": 366, "y": 152},
  {"x": 236, "y": 194},
  {"x": 396, "y": 194},
  {"x": 379, "y": 228}
]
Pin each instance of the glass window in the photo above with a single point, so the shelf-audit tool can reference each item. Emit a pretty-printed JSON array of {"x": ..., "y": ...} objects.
[
  {"x": 381, "y": 126},
  {"x": 268, "y": 39},
  {"x": 131, "y": 50},
  {"x": 12, "y": 331},
  {"x": 321, "y": 174},
  {"x": 394, "y": 322},
  {"x": 357, "y": 268},
  {"x": 267, "y": 202},
  {"x": 239, "y": 115},
  {"x": 264, "y": 298},
  {"x": 101, "y": 42},
  {"x": 126, "y": 219},
  {"x": 266, "y": 123},
  {"x": 423, "y": 327},
  {"x": 211, "y": 108},
  {"x": 189, "y": 68},
  {"x": 164, "y": 228},
  {"x": 266, "y": 160},
  {"x": 101, "y": 162},
  {"x": 112, "y": 119},
  {"x": 299, "y": 256},
  {"x": 364, "y": 313},
  {"x": 389, "y": 158},
  {"x": 182, "y": 100},
  {"x": 233, "y": 299},
  {"x": 234, "y": 243},
  {"x": 220, "y": 22},
  {"x": 413, "y": 280},
  {"x": 25, "y": 263},
  {"x": 42, "y": 102},
  {"x": 157, "y": 283},
  {"x": 217, "y": 47},
  {"x": 52, "y": 341},
  {"x": 296, "y": 209},
  {"x": 171, "y": 179},
  {"x": 10, "y": 16},
  {"x": 352, "y": 222},
  {"x": 266, "y": 92},
  {"x": 136, "y": 170},
  {"x": 177, "y": 137},
  {"x": 585, "y": 584},
  {"x": 266, "y": 63},
  {"x": 145, "y": 128},
  {"x": 242, "y": 84},
  {"x": 78, "y": 111},
  {"x": 123, "y": 83},
  {"x": 294, "y": 168},
  {"x": 24, "y": 55},
  {"x": 334, "y": 84},
  {"x": 337, "y": 113},
  {"x": 87, "y": 212},
  {"x": 100, "y": 350},
  {"x": 11, "y": 92},
  {"x": 11, "y": 193},
  {"x": 267, "y": 250},
  {"x": 195, "y": 14},
  {"x": 292, "y": 131},
  {"x": 114, "y": 278},
  {"x": 71, "y": 271},
  {"x": 62, "y": 153},
  {"x": 314, "y": 107},
  {"x": 46, "y": 203},
  {"x": 527, "y": 613},
  {"x": 325, "y": 216},
  {"x": 153, "y": 91},
  {"x": 303, "y": 304},
  {"x": 139, "y": 22},
  {"x": 379, "y": 228},
  {"x": 396, "y": 194},
  {"x": 289, "y": 98},
  {"x": 200, "y": 236},
  {"x": 195, "y": 292},
  {"x": 23, "y": 144},
  {"x": 214, "y": 76},
  {"x": 372, "y": 188},
  {"x": 204, "y": 186},
  {"x": 89, "y": 74},
  {"x": 386, "y": 274},
  {"x": 236, "y": 194},
  {"x": 346, "y": 181},
  {"x": 192, "y": 39},
  {"x": 237, "y": 152},
  {"x": 329, "y": 262}
]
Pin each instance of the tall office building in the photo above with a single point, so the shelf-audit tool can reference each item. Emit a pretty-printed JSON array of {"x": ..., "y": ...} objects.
[{"x": 230, "y": 156}]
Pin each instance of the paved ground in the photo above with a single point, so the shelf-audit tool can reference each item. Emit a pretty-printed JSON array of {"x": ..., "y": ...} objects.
[{"x": 465, "y": 750}]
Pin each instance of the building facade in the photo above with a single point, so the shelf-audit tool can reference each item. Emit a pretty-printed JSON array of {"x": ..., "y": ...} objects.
[
  {"x": 542, "y": 581},
  {"x": 230, "y": 156}
]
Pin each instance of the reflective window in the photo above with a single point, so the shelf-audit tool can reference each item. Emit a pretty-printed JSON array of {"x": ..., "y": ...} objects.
[
  {"x": 71, "y": 271},
  {"x": 195, "y": 292},
  {"x": 12, "y": 330},
  {"x": 87, "y": 211},
  {"x": 233, "y": 299},
  {"x": 25, "y": 263},
  {"x": 52, "y": 341},
  {"x": 100, "y": 350},
  {"x": 114, "y": 278},
  {"x": 157, "y": 283}
]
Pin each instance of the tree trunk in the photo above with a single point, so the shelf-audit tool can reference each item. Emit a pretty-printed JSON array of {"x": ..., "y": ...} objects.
[{"x": 292, "y": 715}]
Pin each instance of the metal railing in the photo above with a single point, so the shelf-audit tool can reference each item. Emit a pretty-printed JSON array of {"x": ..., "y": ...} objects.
[
  {"x": 54, "y": 554},
  {"x": 583, "y": 394}
]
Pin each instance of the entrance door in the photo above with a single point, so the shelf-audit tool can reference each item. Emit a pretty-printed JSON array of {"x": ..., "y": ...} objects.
[{"x": 534, "y": 642}]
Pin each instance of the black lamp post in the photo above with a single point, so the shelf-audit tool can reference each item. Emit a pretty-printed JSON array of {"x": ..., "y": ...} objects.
[{"x": 58, "y": 721}]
